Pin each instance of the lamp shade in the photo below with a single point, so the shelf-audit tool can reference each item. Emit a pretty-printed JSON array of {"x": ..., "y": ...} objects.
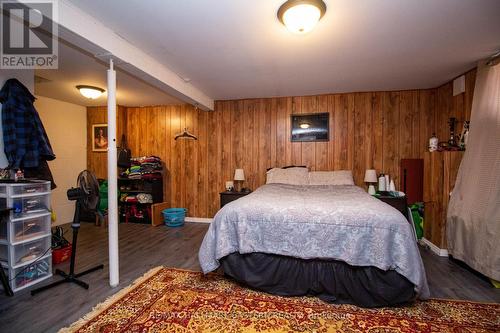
[
  {"x": 239, "y": 174},
  {"x": 370, "y": 176}
]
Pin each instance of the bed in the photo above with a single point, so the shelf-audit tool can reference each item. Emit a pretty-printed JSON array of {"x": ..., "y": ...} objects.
[{"x": 333, "y": 241}]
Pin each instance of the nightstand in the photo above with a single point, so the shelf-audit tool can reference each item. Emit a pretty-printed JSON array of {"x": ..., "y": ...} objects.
[
  {"x": 226, "y": 197},
  {"x": 397, "y": 202}
]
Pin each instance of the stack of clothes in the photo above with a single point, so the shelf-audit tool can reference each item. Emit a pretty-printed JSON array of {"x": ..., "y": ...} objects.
[
  {"x": 145, "y": 167},
  {"x": 136, "y": 197}
]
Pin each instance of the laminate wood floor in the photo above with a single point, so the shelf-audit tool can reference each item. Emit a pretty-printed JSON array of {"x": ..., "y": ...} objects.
[{"x": 143, "y": 247}]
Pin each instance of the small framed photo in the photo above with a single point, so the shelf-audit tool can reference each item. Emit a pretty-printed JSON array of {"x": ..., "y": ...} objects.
[{"x": 100, "y": 137}]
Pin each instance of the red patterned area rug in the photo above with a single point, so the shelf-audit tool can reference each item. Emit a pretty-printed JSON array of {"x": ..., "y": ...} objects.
[{"x": 172, "y": 300}]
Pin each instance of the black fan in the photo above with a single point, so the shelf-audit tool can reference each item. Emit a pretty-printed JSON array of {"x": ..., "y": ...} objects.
[{"x": 86, "y": 196}]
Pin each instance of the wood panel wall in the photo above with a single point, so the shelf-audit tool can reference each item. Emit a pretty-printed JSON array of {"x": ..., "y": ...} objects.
[
  {"x": 367, "y": 130},
  {"x": 441, "y": 171},
  {"x": 151, "y": 131},
  {"x": 97, "y": 161},
  {"x": 458, "y": 106}
]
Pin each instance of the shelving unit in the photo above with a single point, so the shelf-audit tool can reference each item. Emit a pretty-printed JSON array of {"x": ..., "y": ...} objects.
[
  {"x": 25, "y": 237},
  {"x": 134, "y": 187}
]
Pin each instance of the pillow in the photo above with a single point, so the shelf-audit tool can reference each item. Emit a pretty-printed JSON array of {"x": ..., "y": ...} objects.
[
  {"x": 340, "y": 177},
  {"x": 291, "y": 176}
]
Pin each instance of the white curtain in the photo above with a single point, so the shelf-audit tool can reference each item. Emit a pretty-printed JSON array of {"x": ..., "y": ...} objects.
[{"x": 473, "y": 218}]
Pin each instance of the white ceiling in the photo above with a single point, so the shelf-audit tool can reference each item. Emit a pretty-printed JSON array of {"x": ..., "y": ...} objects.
[
  {"x": 238, "y": 49},
  {"x": 78, "y": 67}
]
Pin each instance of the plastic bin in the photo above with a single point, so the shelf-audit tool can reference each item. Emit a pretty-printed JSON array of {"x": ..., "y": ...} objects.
[
  {"x": 174, "y": 217},
  {"x": 25, "y": 206},
  {"x": 31, "y": 188},
  {"x": 25, "y": 252},
  {"x": 25, "y": 229},
  {"x": 61, "y": 254},
  {"x": 30, "y": 274},
  {"x": 24, "y": 187}
]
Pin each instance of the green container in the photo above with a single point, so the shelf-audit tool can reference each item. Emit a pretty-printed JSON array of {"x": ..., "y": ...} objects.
[{"x": 417, "y": 212}]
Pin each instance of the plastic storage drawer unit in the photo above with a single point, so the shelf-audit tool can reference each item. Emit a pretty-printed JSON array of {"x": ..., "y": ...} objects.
[
  {"x": 25, "y": 252},
  {"x": 25, "y": 229},
  {"x": 25, "y": 237}
]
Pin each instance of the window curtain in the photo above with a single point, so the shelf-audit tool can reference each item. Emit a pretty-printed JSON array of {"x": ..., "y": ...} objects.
[{"x": 473, "y": 217}]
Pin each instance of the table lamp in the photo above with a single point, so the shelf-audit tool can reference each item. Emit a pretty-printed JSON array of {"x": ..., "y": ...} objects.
[
  {"x": 239, "y": 177},
  {"x": 371, "y": 178}
]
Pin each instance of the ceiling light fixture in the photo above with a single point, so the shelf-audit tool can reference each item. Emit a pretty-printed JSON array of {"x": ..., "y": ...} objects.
[
  {"x": 304, "y": 125},
  {"x": 90, "y": 91},
  {"x": 301, "y": 16}
]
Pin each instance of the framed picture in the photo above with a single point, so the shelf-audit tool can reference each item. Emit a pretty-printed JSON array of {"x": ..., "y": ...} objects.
[
  {"x": 310, "y": 127},
  {"x": 100, "y": 137}
]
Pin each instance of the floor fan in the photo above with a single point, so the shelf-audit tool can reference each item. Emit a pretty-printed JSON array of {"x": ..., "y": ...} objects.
[{"x": 86, "y": 196}]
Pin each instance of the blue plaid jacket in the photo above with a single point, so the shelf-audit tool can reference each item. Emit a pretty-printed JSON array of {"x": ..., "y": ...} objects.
[{"x": 25, "y": 140}]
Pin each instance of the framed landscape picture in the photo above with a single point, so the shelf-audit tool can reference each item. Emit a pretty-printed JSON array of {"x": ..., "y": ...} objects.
[{"x": 100, "y": 137}]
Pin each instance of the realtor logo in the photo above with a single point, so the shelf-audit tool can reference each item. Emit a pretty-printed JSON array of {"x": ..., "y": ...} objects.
[{"x": 29, "y": 34}]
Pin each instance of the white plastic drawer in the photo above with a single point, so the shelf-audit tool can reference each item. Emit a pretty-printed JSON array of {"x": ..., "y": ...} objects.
[
  {"x": 22, "y": 253},
  {"x": 27, "y": 275},
  {"x": 30, "y": 188},
  {"x": 23, "y": 230},
  {"x": 25, "y": 206}
]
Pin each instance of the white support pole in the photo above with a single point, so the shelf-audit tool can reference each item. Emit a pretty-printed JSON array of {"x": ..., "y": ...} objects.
[{"x": 114, "y": 274}]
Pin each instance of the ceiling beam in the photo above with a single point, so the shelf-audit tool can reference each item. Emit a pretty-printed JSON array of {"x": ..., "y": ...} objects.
[{"x": 84, "y": 31}]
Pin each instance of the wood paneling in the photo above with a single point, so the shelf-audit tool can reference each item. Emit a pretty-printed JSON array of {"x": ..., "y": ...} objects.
[
  {"x": 152, "y": 131},
  {"x": 440, "y": 169},
  {"x": 440, "y": 172},
  {"x": 367, "y": 130},
  {"x": 97, "y": 161},
  {"x": 373, "y": 129},
  {"x": 458, "y": 106}
]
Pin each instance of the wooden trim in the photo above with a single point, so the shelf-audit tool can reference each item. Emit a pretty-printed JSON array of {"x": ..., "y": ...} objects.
[{"x": 434, "y": 248}]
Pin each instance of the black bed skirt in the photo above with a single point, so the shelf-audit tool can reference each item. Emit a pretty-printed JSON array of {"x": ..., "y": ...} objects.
[{"x": 331, "y": 280}]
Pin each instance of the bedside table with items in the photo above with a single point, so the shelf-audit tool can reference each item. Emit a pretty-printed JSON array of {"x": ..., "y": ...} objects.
[
  {"x": 228, "y": 196},
  {"x": 397, "y": 202}
]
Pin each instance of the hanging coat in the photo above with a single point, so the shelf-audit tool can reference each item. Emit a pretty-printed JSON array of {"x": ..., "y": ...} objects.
[
  {"x": 25, "y": 139},
  {"x": 26, "y": 144}
]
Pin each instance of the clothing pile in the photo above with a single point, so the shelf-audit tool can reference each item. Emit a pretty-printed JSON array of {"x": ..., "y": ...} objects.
[
  {"x": 143, "y": 198},
  {"x": 145, "y": 167},
  {"x": 136, "y": 196},
  {"x": 135, "y": 205}
]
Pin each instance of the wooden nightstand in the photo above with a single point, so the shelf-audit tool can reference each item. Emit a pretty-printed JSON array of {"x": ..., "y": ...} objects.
[
  {"x": 397, "y": 202},
  {"x": 227, "y": 197}
]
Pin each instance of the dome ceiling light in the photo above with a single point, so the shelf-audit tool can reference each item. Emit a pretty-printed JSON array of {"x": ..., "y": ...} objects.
[
  {"x": 301, "y": 16},
  {"x": 90, "y": 91}
]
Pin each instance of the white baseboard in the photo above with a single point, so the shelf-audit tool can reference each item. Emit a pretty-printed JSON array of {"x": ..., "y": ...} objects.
[
  {"x": 434, "y": 248},
  {"x": 198, "y": 219}
]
